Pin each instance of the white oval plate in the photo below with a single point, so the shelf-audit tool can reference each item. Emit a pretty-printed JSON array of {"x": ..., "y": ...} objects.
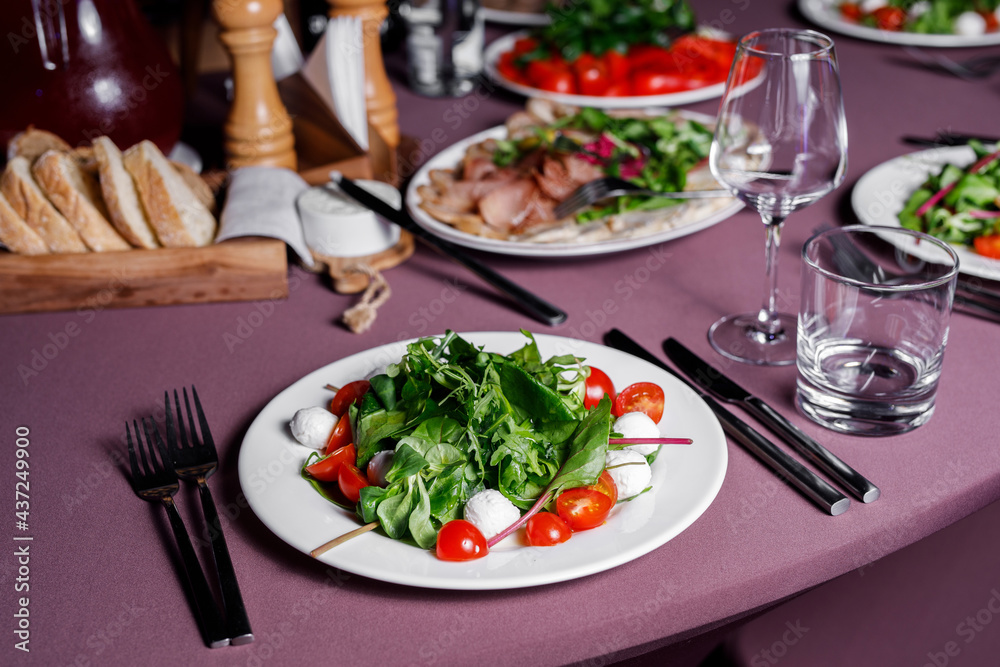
[
  {"x": 686, "y": 479},
  {"x": 826, "y": 14},
  {"x": 506, "y": 43},
  {"x": 451, "y": 157},
  {"x": 880, "y": 195},
  {"x": 514, "y": 18}
]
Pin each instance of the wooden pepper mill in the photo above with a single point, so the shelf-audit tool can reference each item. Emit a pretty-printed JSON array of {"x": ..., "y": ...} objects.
[
  {"x": 381, "y": 101},
  {"x": 258, "y": 130}
]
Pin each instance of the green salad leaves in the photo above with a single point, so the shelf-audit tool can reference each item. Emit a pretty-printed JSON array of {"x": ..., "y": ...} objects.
[{"x": 460, "y": 420}]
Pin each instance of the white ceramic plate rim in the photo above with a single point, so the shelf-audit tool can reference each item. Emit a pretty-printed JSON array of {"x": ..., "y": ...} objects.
[
  {"x": 686, "y": 480},
  {"x": 880, "y": 195},
  {"x": 514, "y": 18},
  {"x": 825, "y": 14},
  {"x": 506, "y": 43},
  {"x": 450, "y": 157}
]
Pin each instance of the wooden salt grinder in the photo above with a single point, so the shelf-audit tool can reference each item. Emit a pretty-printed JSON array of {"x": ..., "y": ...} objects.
[
  {"x": 381, "y": 101},
  {"x": 258, "y": 130}
]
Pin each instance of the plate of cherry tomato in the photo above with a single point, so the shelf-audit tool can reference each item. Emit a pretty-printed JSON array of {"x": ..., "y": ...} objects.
[
  {"x": 685, "y": 481},
  {"x": 888, "y": 25},
  {"x": 694, "y": 68}
]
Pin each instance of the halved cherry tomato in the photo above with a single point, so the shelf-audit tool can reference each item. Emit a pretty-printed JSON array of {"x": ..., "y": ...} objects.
[
  {"x": 598, "y": 384},
  {"x": 546, "y": 529},
  {"x": 988, "y": 246},
  {"x": 648, "y": 56},
  {"x": 889, "y": 18},
  {"x": 349, "y": 393},
  {"x": 606, "y": 484},
  {"x": 351, "y": 481},
  {"x": 850, "y": 11},
  {"x": 328, "y": 467},
  {"x": 616, "y": 64},
  {"x": 552, "y": 75},
  {"x": 583, "y": 508},
  {"x": 340, "y": 435},
  {"x": 640, "y": 397},
  {"x": 591, "y": 75},
  {"x": 659, "y": 82},
  {"x": 460, "y": 540}
]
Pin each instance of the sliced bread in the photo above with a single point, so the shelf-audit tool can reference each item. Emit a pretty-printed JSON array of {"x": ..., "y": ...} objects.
[
  {"x": 16, "y": 234},
  {"x": 78, "y": 197},
  {"x": 121, "y": 196},
  {"x": 180, "y": 220},
  {"x": 29, "y": 202},
  {"x": 33, "y": 142},
  {"x": 197, "y": 184}
]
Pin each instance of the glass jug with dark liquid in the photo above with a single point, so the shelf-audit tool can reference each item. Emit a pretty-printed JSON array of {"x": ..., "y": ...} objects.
[{"x": 86, "y": 68}]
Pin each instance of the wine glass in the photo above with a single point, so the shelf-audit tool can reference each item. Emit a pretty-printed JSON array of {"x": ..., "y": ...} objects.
[{"x": 780, "y": 144}]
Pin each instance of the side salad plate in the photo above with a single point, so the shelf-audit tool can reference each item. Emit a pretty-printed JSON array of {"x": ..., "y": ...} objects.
[
  {"x": 881, "y": 194},
  {"x": 685, "y": 481},
  {"x": 828, "y": 15}
]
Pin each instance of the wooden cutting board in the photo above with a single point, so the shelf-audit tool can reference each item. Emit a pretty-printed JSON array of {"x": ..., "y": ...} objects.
[{"x": 248, "y": 269}]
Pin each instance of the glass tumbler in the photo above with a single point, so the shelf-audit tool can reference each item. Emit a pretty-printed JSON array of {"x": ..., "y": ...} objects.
[{"x": 872, "y": 328}]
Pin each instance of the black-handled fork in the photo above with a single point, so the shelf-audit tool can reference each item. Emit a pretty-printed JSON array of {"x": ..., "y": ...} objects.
[
  {"x": 195, "y": 460},
  {"x": 155, "y": 481}
]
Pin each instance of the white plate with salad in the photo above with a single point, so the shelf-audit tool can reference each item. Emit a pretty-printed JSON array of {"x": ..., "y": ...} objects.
[
  {"x": 685, "y": 481},
  {"x": 829, "y": 15},
  {"x": 882, "y": 194},
  {"x": 566, "y": 238}
]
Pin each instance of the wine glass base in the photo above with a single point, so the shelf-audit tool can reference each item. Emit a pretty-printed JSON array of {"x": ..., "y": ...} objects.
[{"x": 737, "y": 337}]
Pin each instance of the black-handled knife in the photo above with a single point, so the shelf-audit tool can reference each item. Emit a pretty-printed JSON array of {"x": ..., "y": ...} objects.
[
  {"x": 712, "y": 380},
  {"x": 541, "y": 310},
  {"x": 806, "y": 481}
]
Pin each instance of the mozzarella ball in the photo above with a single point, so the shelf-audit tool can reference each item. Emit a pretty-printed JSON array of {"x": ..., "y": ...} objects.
[
  {"x": 630, "y": 471},
  {"x": 969, "y": 24},
  {"x": 379, "y": 466},
  {"x": 491, "y": 512},
  {"x": 868, "y": 6},
  {"x": 637, "y": 425},
  {"x": 312, "y": 426}
]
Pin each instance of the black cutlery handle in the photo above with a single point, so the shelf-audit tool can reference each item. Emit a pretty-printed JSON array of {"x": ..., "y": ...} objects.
[
  {"x": 237, "y": 623},
  {"x": 538, "y": 308},
  {"x": 210, "y": 619},
  {"x": 811, "y": 486},
  {"x": 822, "y": 457}
]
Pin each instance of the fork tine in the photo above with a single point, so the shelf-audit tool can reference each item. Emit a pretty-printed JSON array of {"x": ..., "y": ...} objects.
[
  {"x": 148, "y": 427},
  {"x": 206, "y": 434},
  {"x": 180, "y": 420},
  {"x": 171, "y": 429},
  {"x": 195, "y": 440},
  {"x": 133, "y": 463},
  {"x": 159, "y": 445},
  {"x": 142, "y": 452}
]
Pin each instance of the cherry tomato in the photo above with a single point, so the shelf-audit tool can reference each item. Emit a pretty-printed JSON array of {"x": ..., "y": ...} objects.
[
  {"x": 591, "y": 75},
  {"x": 598, "y": 384},
  {"x": 617, "y": 66},
  {"x": 619, "y": 89},
  {"x": 850, "y": 11},
  {"x": 460, "y": 540},
  {"x": 988, "y": 246},
  {"x": 328, "y": 467},
  {"x": 546, "y": 529},
  {"x": 508, "y": 69},
  {"x": 582, "y": 508},
  {"x": 659, "y": 82},
  {"x": 992, "y": 22},
  {"x": 640, "y": 397},
  {"x": 340, "y": 435},
  {"x": 349, "y": 393},
  {"x": 551, "y": 75},
  {"x": 524, "y": 45},
  {"x": 351, "y": 481},
  {"x": 606, "y": 484},
  {"x": 648, "y": 56},
  {"x": 889, "y": 18}
]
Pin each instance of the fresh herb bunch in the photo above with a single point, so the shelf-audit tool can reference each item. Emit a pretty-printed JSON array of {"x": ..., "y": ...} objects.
[
  {"x": 597, "y": 26},
  {"x": 460, "y": 420}
]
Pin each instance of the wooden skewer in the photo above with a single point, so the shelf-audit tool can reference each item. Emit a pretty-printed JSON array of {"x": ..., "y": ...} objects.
[
  {"x": 332, "y": 388},
  {"x": 319, "y": 551}
]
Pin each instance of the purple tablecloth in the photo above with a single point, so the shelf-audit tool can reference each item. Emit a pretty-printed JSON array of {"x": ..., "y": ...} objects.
[{"x": 101, "y": 588}]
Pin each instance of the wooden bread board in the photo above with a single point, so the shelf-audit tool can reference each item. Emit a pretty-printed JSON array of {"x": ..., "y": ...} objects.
[{"x": 247, "y": 269}]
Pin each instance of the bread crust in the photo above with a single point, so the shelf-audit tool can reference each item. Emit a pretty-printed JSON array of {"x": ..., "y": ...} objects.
[
  {"x": 31, "y": 143},
  {"x": 180, "y": 220},
  {"x": 29, "y": 202},
  {"x": 124, "y": 207},
  {"x": 77, "y": 196},
  {"x": 16, "y": 234}
]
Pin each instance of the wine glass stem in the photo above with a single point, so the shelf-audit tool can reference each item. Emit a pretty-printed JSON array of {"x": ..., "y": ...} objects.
[{"x": 767, "y": 319}]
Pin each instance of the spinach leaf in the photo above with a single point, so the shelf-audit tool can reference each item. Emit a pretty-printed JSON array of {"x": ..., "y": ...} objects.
[{"x": 423, "y": 532}]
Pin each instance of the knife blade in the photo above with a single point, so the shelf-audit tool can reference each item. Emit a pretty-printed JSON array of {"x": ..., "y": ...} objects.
[
  {"x": 806, "y": 481},
  {"x": 714, "y": 381},
  {"x": 541, "y": 310}
]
